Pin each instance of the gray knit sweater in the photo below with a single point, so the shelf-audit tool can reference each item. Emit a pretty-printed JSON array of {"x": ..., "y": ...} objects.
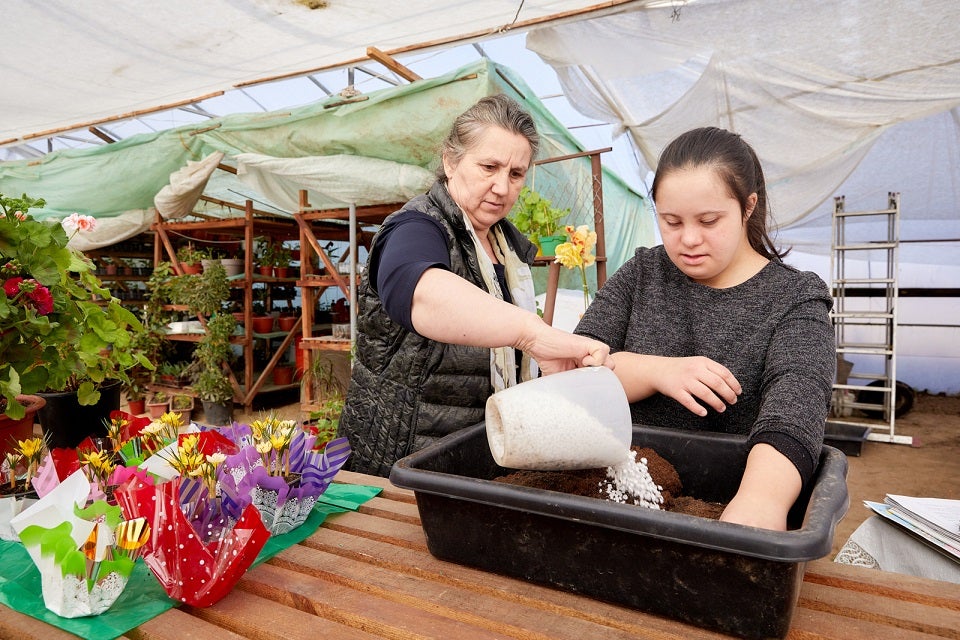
[{"x": 772, "y": 332}]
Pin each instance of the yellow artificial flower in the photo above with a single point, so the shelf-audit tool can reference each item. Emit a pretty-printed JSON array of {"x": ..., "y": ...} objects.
[{"x": 577, "y": 253}]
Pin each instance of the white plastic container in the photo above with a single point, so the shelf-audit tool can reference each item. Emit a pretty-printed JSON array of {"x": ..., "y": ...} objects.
[{"x": 578, "y": 419}]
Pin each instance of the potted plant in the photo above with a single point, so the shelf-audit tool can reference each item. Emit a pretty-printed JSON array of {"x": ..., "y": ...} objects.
[
  {"x": 263, "y": 254},
  {"x": 191, "y": 258},
  {"x": 158, "y": 405},
  {"x": 213, "y": 354},
  {"x": 182, "y": 405},
  {"x": 136, "y": 391},
  {"x": 55, "y": 339},
  {"x": 281, "y": 257},
  {"x": 537, "y": 218}
]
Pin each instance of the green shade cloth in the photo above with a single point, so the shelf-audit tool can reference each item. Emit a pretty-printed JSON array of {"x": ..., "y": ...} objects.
[{"x": 144, "y": 598}]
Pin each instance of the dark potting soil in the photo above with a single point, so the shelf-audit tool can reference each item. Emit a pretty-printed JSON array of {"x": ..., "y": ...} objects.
[{"x": 593, "y": 482}]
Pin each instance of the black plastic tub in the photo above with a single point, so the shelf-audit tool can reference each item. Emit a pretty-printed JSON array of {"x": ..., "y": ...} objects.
[
  {"x": 849, "y": 438},
  {"x": 736, "y": 579}
]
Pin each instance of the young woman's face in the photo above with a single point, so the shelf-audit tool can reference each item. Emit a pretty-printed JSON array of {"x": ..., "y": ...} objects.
[
  {"x": 703, "y": 229},
  {"x": 488, "y": 178}
]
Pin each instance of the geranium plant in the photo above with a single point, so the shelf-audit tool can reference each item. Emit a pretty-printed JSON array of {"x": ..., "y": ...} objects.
[
  {"x": 55, "y": 335},
  {"x": 577, "y": 253}
]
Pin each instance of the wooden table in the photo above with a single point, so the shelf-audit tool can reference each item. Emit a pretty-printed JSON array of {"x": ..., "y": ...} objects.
[{"x": 369, "y": 575}]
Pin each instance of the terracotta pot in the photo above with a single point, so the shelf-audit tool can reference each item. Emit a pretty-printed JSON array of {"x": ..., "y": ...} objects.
[
  {"x": 281, "y": 272},
  {"x": 286, "y": 323},
  {"x": 21, "y": 429},
  {"x": 191, "y": 268},
  {"x": 262, "y": 324},
  {"x": 157, "y": 409},
  {"x": 282, "y": 374},
  {"x": 265, "y": 270},
  {"x": 136, "y": 407}
]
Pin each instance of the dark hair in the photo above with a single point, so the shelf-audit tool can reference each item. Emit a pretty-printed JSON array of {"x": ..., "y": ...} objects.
[
  {"x": 738, "y": 167},
  {"x": 498, "y": 111}
]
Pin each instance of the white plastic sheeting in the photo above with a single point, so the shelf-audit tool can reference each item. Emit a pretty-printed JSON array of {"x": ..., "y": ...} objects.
[
  {"x": 79, "y": 63},
  {"x": 812, "y": 86},
  {"x": 348, "y": 179}
]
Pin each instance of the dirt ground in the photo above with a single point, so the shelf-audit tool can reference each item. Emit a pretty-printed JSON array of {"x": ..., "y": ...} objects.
[{"x": 929, "y": 467}]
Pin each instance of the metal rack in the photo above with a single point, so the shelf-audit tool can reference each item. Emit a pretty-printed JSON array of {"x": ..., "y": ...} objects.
[{"x": 866, "y": 326}]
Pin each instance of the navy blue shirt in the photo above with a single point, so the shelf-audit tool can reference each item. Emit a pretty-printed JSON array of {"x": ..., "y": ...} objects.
[{"x": 406, "y": 246}]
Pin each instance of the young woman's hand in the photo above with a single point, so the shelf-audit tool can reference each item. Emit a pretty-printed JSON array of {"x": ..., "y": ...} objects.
[{"x": 686, "y": 380}]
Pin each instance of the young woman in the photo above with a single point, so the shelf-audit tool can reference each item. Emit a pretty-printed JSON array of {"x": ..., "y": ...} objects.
[
  {"x": 712, "y": 331},
  {"x": 446, "y": 302}
]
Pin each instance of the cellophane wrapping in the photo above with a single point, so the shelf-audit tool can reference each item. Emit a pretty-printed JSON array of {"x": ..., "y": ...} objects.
[{"x": 284, "y": 501}]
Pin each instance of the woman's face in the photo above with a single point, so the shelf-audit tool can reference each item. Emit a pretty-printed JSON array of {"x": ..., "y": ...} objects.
[
  {"x": 488, "y": 178},
  {"x": 703, "y": 229}
]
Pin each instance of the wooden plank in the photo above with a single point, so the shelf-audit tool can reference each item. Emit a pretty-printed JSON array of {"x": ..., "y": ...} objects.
[
  {"x": 373, "y": 528},
  {"x": 545, "y": 600},
  {"x": 180, "y": 625},
  {"x": 392, "y": 510},
  {"x": 880, "y": 612},
  {"x": 250, "y": 616},
  {"x": 364, "y": 609},
  {"x": 491, "y": 610}
]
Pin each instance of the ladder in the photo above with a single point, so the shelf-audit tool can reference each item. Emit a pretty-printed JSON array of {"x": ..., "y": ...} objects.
[{"x": 866, "y": 324}]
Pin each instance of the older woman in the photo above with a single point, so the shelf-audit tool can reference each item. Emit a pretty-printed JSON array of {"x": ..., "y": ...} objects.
[{"x": 446, "y": 304}]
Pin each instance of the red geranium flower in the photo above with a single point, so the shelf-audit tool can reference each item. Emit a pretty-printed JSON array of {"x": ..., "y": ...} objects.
[
  {"x": 12, "y": 286},
  {"x": 42, "y": 300}
]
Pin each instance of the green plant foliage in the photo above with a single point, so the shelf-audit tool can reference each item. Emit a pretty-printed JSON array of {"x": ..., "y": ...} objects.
[{"x": 535, "y": 216}]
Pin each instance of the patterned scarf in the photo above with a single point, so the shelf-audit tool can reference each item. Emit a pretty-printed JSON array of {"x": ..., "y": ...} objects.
[{"x": 503, "y": 360}]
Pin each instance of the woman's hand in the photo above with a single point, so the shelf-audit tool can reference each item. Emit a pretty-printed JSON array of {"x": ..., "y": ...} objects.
[
  {"x": 449, "y": 309},
  {"x": 556, "y": 350},
  {"x": 686, "y": 380}
]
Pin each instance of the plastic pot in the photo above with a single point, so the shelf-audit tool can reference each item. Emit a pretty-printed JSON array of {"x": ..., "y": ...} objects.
[
  {"x": 578, "y": 419},
  {"x": 11, "y": 430},
  {"x": 66, "y": 422},
  {"x": 217, "y": 414}
]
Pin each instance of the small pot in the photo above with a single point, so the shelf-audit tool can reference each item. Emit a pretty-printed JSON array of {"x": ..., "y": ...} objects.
[
  {"x": 287, "y": 323},
  {"x": 191, "y": 269},
  {"x": 282, "y": 375},
  {"x": 263, "y": 324},
  {"x": 136, "y": 407},
  {"x": 157, "y": 409},
  {"x": 12, "y": 430},
  {"x": 217, "y": 414}
]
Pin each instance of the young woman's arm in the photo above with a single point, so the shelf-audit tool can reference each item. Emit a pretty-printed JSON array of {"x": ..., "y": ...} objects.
[{"x": 769, "y": 487}]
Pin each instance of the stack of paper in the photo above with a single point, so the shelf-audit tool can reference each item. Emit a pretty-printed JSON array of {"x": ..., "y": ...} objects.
[{"x": 935, "y": 520}]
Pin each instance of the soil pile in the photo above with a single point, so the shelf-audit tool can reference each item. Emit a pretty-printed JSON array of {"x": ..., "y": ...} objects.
[{"x": 593, "y": 483}]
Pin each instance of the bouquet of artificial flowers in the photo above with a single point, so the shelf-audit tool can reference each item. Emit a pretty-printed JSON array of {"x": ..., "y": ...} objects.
[
  {"x": 85, "y": 554},
  {"x": 279, "y": 471},
  {"x": 201, "y": 543}
]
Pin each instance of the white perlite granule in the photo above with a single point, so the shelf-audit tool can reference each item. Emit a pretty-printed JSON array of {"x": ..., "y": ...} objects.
[
  {"x": 541, "y": 431},
  {"x": 631, "y": 483}
]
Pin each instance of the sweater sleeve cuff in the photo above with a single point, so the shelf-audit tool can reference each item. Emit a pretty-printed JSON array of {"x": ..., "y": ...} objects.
[{"x": 791, "y": 448}]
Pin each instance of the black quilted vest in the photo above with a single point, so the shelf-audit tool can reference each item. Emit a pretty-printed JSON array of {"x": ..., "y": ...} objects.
[{"x": 406, "y": 390}]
